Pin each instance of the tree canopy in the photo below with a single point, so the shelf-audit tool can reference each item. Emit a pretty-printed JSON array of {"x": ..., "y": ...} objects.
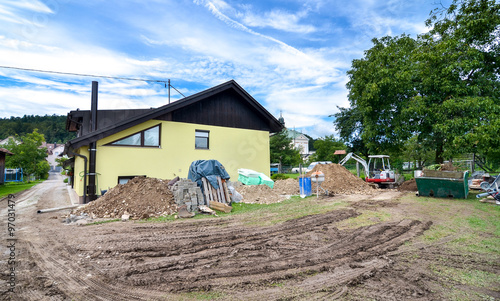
[
  {"x": 29, "y": 155},
  {"x": 441, "y": 88},
  {"x": 53, "y": 127},
  {"x": 282, "y": 150},
  {"x": 325, "y": 149}
]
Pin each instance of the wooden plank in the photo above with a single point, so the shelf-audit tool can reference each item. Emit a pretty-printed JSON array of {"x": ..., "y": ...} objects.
[
  {"x": 226, "y": 192},
  {"x": 220, "y": 207},
  {"x": 221, "y": 191},
  {"x": 214, "y": 192},
  {"x": 206, "y": 191}
]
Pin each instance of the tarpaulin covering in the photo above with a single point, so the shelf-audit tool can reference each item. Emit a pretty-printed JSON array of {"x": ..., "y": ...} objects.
[{"x": 208, "y": 169}]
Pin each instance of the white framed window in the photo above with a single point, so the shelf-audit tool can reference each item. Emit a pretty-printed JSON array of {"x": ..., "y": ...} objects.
[
  {"x": 201, "y": 139},
  {"x": 146, "y": 138}
]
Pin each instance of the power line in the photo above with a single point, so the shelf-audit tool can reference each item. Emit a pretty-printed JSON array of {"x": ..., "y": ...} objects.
[{"x": 91, "y": 75}]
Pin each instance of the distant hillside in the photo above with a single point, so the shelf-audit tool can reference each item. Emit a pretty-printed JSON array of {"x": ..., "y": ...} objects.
[{"x": 52, "y": 127}]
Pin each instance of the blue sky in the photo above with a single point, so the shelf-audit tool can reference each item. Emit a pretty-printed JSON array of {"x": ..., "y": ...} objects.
[{"x": 291, "y": 56}]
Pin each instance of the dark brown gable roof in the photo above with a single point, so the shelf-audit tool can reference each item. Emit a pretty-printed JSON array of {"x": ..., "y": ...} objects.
[{"x": 226, "y": 105}]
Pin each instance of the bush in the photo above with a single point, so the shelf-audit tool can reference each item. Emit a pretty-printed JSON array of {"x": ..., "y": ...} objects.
[
  {"x": 65, "y": 180},
  {"x": 279, "y": 176}
]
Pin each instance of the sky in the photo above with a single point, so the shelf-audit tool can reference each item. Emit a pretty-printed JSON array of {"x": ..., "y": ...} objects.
[{"x": 290, "y": 55}]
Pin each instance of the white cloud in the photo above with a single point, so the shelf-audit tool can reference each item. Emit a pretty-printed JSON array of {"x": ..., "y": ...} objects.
[{"x": 277, "y": 19}]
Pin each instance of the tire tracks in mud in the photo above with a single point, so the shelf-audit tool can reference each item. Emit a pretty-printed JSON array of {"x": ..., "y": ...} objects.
[{"x": 189, "y": 257}]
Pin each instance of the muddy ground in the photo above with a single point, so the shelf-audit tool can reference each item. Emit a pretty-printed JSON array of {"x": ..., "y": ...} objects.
[{"x": 315, "y": 257}]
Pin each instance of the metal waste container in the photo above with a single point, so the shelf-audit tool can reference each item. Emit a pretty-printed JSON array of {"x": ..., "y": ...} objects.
[{"x": 443, "y": 184}]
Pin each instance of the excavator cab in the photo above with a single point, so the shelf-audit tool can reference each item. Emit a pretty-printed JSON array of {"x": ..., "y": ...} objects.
[{"x": 379, "y": 169}]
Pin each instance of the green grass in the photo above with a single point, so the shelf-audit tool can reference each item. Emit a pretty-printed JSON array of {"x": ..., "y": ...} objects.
[
  {"x": 12, "y": 187},
  {"x": 471, "y": 226},
  {"x": 269, "y": 214},
  {"x": 474, "y": 278}
]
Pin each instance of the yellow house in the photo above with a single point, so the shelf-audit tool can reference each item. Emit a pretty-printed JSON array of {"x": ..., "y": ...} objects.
[{"x": 224, "y": 123}]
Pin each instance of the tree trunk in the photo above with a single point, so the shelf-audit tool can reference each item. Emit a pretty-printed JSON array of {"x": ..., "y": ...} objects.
[{"x": 439, "y": 153}]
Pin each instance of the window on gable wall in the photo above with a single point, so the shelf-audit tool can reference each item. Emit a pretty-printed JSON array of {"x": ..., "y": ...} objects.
[
  {"x": 147, "y": 138},
  {"x": 201, "y": 139}
]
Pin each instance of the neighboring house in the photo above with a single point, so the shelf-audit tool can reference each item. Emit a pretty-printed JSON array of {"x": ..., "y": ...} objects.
[
  {"x": 6, "y": 140},
  {"x": 299, "y": 141},
  {"x": 3, "y": 153},
  {"x": 53, "y": 152},
  {"x": 224, "y": 123}
]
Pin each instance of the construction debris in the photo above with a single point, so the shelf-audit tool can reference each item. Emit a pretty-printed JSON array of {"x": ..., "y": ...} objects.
[
  {"x": 220, "y": 206},
  {"x": 221, "y": 194},
  {"x": 141, "y": 197},
  {"x": 184, "y": 213},
  {"x": 186, "y": 192}
]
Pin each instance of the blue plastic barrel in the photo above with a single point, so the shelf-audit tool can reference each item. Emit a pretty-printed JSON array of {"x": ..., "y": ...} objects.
[{"x": 305, "y": 186}]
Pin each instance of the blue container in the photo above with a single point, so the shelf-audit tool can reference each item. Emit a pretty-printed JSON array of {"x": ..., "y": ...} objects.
[{"x": 305, "y": 186}]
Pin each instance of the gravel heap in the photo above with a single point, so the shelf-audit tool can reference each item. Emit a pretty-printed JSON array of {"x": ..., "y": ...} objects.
[
  {"x": 141, "y": 197},
  {"x": 338, "y": 180}
]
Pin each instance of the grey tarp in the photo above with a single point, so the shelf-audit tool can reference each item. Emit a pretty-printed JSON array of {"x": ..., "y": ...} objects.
[{"x": 209, "y": 169}]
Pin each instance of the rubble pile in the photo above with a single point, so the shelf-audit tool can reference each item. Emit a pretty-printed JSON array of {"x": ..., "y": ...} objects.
[
  {"x": 259, "y": 194},
  {"x": 288, "y": 187},
  {"x": 140, "y": 198},
  {"x": 338, "y": 180},
  {"x": 410, "y": 185}
]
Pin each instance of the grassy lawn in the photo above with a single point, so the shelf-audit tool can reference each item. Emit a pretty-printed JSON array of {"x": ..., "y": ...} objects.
[
  {"x": 270, "y": 214},
  {"x": 12, "y": 188}
]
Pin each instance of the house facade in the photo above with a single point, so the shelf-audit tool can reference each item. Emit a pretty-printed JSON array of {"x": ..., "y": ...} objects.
[
  {"x": 53, "y": 152},
  {"x": 299, "y": 141},
  {"x": 223, "y": 123}
]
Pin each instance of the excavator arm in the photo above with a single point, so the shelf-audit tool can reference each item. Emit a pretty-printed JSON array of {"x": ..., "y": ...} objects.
[{"x": 358, "y": 159}]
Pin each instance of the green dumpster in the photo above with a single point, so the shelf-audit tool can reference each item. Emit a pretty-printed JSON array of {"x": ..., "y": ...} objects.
[{"x": 443, "y": 184}]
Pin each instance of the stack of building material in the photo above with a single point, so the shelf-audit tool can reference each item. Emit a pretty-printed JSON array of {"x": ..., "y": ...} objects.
[{"x": 217, "y": 198}]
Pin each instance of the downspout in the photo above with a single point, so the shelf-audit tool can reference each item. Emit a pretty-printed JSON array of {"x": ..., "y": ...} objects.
[
  {"x": 84, "y": 173},
  {"x": 92, "y": 146}
]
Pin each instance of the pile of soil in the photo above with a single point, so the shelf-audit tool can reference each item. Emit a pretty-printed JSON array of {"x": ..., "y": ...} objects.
[
  {"x": 288, "y": 187},
  {"x": 448, "y": 166},
  {"x": 410, "y": 185},
  {"x": 141, "y": 197},
  {"x": 259, "y": 194},
  {"x": 338, "y": 180}
]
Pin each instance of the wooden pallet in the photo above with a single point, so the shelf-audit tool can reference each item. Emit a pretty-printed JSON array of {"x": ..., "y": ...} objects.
[{"x": 219, "y": 195}]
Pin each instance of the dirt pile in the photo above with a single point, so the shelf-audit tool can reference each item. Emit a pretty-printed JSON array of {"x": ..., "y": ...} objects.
[
  {"x": 448, "y": 166},
  {"x": 260, "y": 194},
  {"x": 288, "y": 187},
  {"x": 141, "y": 197},
  {"x": 410, "y": 185},
  {"x": 338, "y": 180}
]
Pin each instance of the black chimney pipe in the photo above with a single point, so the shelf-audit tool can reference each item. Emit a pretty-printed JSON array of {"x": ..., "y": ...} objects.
[{"x": 92, "y": 147}]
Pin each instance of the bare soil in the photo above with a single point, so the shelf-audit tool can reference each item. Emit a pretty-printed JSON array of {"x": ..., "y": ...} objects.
[
  {"x": 315, "y": 257},
  {"x": 410, "y": 185}
]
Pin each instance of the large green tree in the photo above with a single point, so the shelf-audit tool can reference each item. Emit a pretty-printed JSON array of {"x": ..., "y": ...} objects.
[
  {"x": 325, "y": 149},
  {"x": 29, "y": 154},
  {"x": 428, "y": 87},
  {"x": 282, "y": 150}
]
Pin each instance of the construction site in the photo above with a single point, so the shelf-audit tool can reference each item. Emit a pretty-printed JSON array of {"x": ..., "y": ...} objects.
[{"x": 355, "y": 242}]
